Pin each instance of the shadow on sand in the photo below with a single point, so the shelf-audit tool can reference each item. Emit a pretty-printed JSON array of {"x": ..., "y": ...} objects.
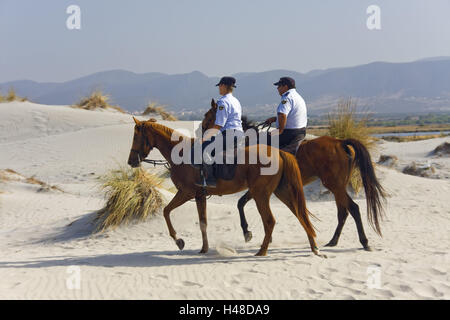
[{"x": 156, "y": 259}]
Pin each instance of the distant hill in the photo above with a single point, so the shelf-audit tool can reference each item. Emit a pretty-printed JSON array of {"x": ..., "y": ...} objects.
[{"x": 419, "y": 86}]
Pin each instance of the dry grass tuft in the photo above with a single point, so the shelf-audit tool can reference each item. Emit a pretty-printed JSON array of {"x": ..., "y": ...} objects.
[
  {"x": 442, "y": 150},
  {"x": 153, "y": 108},
  {"x": 11, "y": 175},
  {"x": 346, "y": 123},
  {"x": 97, "y": 100},
  {"x": 11, "y": 96},
  {"x": 421, "y": 171},
  {"x": 132, "y": 195}
]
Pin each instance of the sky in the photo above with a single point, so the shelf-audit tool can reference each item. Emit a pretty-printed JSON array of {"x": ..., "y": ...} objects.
[{"x": 214, "y": 37}]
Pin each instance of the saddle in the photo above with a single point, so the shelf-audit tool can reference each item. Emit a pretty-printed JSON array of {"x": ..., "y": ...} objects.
[{"x": 224, "y": 170}]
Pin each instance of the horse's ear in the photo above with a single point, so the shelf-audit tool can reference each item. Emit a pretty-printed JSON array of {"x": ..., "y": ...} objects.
[
  {"x": 213, "y": 104},
  {"x": 136, "y": 121}
]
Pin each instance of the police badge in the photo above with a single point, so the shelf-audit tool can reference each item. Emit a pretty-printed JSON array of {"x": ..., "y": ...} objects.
[{"x": 284, "y": 101}]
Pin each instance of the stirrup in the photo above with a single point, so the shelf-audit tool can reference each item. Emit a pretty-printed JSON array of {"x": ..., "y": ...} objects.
[{"x": 201, "y": 184}]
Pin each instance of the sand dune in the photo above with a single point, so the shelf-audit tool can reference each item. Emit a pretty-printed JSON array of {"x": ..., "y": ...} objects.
[{"x": 45, "y": 237}]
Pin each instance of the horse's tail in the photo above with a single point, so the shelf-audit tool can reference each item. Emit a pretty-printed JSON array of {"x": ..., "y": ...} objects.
[
  {"x": 291, "y": 174},
  {"x": 375, "y": 193}
]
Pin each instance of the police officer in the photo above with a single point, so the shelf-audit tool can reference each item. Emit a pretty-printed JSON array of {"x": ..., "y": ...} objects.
[
  {"x": 228, "y": 122},
  {"x": 291, "y": 116}
]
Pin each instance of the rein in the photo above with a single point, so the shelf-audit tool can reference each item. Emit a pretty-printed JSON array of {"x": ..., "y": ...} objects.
[
  {"x": 262, "y": 126},
  {"x": 155, "y": 163}
]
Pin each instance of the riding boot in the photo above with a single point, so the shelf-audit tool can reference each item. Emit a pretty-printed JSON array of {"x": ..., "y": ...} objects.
[
  {"x": 210, "y": 176},
  {"x": 207, "y": 178},
  {"x": 202, "y": 182}
]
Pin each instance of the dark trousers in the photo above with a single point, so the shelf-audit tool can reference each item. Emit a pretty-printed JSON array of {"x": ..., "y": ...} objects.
[{"x": 288, "y": 137}]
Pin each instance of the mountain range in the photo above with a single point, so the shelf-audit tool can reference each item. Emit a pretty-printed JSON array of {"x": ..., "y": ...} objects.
[{"x": 381, "y": 87}]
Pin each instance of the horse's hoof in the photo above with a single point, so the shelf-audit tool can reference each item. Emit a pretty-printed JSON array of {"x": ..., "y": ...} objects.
[
  {"x": 180, "y": 243},
  {"x": 261, "y": 254},
  {"x": 248, "y": 236},
  {"x": 331, "y": 244},
  {"x": 319, "y": 254},
  {"x": 203, "y": 251},
  {"x": 367, "y": 248}
]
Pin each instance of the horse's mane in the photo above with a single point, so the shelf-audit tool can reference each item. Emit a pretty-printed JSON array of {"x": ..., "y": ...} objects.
[{"x": 160, "y": 128}]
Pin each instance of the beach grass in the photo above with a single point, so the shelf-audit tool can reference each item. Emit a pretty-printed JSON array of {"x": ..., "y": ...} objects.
[
  {"x": 12, "y": 96},
  {"x": 345, "y": 122},
  {"x": 131, "y": 195},
  {"x": 155, "y": 109},
  {"x": 97, "y": 100}
]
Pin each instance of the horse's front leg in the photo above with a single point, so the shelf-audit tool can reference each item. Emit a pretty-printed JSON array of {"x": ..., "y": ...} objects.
[
  {"x": 179, "y": 199},
  {"x": 201, "y": 208}
]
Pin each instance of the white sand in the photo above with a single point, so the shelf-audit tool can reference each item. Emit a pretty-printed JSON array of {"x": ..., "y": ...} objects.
[{"x": 70, "y": 148}]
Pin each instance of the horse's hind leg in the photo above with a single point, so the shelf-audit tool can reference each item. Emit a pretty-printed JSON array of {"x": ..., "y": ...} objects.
[
  {"x": 342, "y": 216},
  {"x": 354, "y": 211},
  {"x": 201, "y": 208},
  {"x": 262, "y": 203},
  {"x": 179, "y": 199},
  {"x": 244, "y": 225},
  {"x": 345, "y": 204}
]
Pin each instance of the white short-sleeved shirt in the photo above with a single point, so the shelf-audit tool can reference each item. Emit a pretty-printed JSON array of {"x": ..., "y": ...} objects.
[
  {"x": 294, "y": 107},
  {"x": 228, "y": 114}
]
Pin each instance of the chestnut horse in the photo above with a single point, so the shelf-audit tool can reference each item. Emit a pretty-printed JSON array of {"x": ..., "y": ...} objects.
[
  {"x": 286, "y": 183},
  {"x": 332, "y": 161}
]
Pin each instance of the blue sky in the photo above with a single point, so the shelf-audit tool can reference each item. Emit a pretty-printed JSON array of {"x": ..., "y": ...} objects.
[{"x": 214, "y": 37}]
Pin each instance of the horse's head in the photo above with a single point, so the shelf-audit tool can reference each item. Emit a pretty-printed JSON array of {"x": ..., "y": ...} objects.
[
  {"x": 143, "y": 142},
  {"x": 248, "y": 124},
  {"x": 209, "y": 117}
]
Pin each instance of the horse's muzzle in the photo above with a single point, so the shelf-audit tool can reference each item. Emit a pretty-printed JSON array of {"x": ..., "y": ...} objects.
[{"x": 134, "y": 164}]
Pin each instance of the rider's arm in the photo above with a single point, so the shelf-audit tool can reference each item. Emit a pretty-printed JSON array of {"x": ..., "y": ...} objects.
[
  {"x": 282, "y": 111},
  {"x": 281, "y": 122}
]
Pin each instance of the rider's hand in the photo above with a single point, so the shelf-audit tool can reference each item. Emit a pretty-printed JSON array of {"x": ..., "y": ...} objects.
[{"x": 270, "y": 120}]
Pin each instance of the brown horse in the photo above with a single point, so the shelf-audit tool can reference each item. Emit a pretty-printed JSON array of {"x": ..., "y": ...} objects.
[
  {"x": 332, "y": 161},
  {"x": 285, "y": 183}
]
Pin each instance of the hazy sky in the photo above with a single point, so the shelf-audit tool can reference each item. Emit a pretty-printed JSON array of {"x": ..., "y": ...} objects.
[{"x": 214, "y": 37}]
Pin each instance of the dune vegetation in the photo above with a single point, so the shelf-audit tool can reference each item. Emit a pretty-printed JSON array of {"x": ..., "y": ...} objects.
[
  {"x": 346, "y": 123},
  {"x": 11, "y": 175},
  {"x": 131, "y": 195},
  {"x": 97, "y": 100},
  {"x": 11, "y": 96},
  {"x": 154, "y": 109}
]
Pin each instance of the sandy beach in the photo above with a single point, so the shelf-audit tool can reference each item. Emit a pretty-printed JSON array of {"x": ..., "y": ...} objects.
[{"x": 46, "y": 235}]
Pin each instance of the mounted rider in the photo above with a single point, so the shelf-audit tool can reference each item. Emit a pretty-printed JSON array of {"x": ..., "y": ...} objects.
[
  {"x": 291, "y": 119},
  {"x": 228, "y": 122}
]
